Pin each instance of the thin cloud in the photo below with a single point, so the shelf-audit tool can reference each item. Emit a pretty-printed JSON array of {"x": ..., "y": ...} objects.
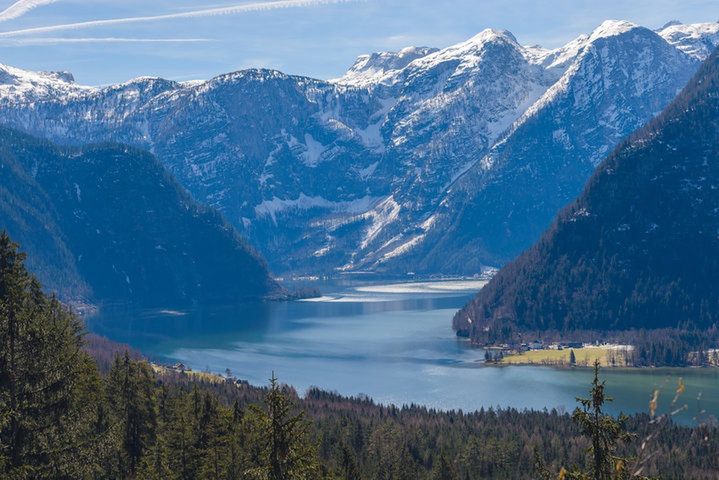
[
  {"x": 210, "y": 12},
  {"x": 21, "y": 7},
  {"x": 59, "y": 41}
]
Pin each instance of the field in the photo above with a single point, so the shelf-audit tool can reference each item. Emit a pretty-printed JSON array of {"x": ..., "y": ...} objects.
[
  {"x": 193, "y": 374},
  {"x": 584, "y": 357}
]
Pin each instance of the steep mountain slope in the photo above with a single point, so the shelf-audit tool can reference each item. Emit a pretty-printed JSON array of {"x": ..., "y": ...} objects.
[
  {"x": 383, "y": 168},
  {"x": 449, "y": 107},
  {"x": 381, "y": 68},
  {"x": 309, "y": 170},
  {"x": 639, "y": 248},
  {"x": 622, "y": 75},
  {"x": 697, "y": 40},
  {"x": 27, "y": 212},
  {"x": 133, "y": 232}
]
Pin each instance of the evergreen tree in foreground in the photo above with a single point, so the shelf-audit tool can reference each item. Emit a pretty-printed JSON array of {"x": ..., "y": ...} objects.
[
  {"x": 286, "y": 451},
  {"x": 605, "y": 434},
  {"x": 131, "y": 396},
  {"x": 48, "y": 385}
]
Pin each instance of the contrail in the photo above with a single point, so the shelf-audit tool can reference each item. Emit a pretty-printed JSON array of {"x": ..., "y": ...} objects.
[
  {"x": 21, "y": 7},
  {"x": 56, "y": 41},
  {"x": 210, "y": 12}
]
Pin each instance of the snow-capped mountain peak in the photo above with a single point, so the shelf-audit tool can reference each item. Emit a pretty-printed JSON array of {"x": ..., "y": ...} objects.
[
  {"x": 491, "y": 35},
  {"x": 559, "y": 59},
  {"x": 696, "y": 40},
  {"x": 376, "y": 67},
  {"x": 387, "y": 68},
  {"x": 670, "y": 23},
  {"x": 18, "y": 85},
  {"x": 473, "y": 47},
  {"x": 611, "y": 28},
  {"x": 63, "y": 76}
]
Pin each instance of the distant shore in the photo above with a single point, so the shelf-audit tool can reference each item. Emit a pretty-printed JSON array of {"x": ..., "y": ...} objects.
[{"x": 608, "y": 355}]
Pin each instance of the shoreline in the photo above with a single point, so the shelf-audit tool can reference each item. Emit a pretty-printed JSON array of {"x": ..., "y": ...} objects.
[{"x": 625, "y": 368}]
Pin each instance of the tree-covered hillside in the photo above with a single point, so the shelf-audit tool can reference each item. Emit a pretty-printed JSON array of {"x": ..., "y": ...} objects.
[
  {"x": 28, "y": 213},
  {"x": 638, "y": 249},
  {"x": 109, "y": 223}
]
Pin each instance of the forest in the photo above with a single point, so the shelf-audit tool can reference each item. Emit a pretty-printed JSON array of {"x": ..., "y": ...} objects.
[{"x": 67, "y": 414}]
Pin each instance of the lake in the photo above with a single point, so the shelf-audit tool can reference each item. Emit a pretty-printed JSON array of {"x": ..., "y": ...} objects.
[{"x": 393, "y": 342}]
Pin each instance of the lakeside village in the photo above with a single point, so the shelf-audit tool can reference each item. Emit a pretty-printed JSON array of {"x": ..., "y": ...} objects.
[
  {"x": 567, "y": 353},
  {"x": 577, "y": 354}
]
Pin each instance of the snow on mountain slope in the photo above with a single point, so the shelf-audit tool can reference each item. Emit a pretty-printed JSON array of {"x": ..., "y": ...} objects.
[
  {"x": 365, "y": 171},
  {"x": 697, "y": 40},
  {"x": 449, "y": 107},
  {"x": 637, "y": 249},
  {"x": 381, "y": 67},
  {"x": 236, "y": 141},
  {"x": 17, "y": 85},
  {"x": 623, "y": 75}
]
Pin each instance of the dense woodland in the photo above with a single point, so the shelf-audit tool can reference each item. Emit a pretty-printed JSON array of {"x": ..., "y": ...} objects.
[
  {"x": 638, "y": 250},
  {"x": 109, "y": 223},
  {"x": 62, "y": 416}
]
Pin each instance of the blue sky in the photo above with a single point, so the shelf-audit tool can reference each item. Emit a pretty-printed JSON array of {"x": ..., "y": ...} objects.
[{"x": 182, "y": 39}]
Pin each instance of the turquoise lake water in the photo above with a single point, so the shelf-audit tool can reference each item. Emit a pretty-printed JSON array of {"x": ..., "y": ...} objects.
[{"x": 391, "y": 342}]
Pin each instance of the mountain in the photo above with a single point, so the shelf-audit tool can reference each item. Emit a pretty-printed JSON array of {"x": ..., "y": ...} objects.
[
  {"x": 393, "y": 164},
  {"x": 639, "y": 248},
  {"x": 620, "y": 77},
  {"x": 448, "y": 108},
  {"x": 109, "y": 223},
  {"x": 381, "y": 67},
  {"x": 30, "y": 215},
  {"x": 697, "y": 40},
  {"x": 265, "y": 148}
]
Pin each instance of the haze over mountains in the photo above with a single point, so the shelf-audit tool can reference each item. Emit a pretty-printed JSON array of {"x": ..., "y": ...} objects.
[
  {"x": 638, "y": 248},
  {"x": 425, "y": 160}
]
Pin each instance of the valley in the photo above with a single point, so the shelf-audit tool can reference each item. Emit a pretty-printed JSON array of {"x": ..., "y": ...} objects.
[{"x": 483, "y": 259}]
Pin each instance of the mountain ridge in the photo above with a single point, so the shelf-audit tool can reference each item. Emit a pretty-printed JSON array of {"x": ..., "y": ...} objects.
[
  {"x": 504, "y": 201},
  {"x": 324, "y": 177}
]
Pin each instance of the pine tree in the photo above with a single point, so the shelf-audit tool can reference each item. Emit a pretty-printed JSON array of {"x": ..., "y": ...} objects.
[
  {"x": 236, "y": 448},
  {"x": 442, "y": 469},
  {"x": 153, "y": 465},
  {"x": 286, "y": 451},
  {"x": 131, "y": 395},
  {"x": 214, "y": 449},
  {"x": 572, "y": 358},
  {"x": 347, "y": 460},
  {"x": 45, "y": 378},
  {"x": 605, "y": 434}
]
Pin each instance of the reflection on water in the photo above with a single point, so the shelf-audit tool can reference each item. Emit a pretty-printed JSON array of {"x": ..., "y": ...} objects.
[{"x": 394, "y": 344}]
